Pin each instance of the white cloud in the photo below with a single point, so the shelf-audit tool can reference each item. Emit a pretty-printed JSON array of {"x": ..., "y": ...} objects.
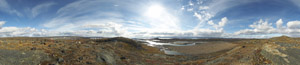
[
  {"x": 220, "y": 24},
  {"x": 202, "y": 17},
  {"x": 32, "y": 32},
  {"x": 259, "y": 27},
  {"x": 2, "y": 23},
  {"x": 223, "y": 22},
  {"x": 14, "y": 31},
  {"x": 182, "y": 8},
  {"x": 109, "y": 29},
  {"x": 189, "y": 33},
  {"x": 264, "y": 28},
  {"x": 293, "y": 25},
  {"x": 279, "y": 24},
  {"x": 190, "y": 9},
  {"x": 203, "y": 7},
  {"x": 191, "y": 3},
  {"x": 208, "y": 9},
  {"x": 217, "y": 32}
]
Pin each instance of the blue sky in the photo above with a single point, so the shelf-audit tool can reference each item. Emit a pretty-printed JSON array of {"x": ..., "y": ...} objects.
[{"x": 150, "y": 18}]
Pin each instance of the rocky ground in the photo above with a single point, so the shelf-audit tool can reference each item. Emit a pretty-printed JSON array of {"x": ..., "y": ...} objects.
[{"x": 123, "y": 51}]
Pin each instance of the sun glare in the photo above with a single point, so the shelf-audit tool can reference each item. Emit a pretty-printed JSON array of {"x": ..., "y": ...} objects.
[{"x": 155, "y": 11}]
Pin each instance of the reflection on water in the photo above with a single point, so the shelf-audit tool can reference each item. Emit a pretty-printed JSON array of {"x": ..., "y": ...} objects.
[{"x": 152, "y": 43}]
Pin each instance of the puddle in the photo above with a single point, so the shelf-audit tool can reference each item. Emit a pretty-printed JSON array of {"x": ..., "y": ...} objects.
[{"x": 169, "y": 52}]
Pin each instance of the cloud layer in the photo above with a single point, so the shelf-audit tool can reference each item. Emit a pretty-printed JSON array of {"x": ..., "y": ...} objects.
[{"x": 265, "y": 28}]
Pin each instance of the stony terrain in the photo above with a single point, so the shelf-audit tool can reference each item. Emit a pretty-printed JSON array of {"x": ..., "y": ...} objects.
[{"x": 123, "y": 51}]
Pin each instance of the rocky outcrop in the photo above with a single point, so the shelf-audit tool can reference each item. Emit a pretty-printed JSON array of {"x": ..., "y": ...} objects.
[{"x": 107, "y": 57}]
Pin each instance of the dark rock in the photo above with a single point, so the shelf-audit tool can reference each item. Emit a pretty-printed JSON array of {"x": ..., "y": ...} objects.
[
  {"x": 51, "y": 64},
  {"x": 122, "y": 58},
  {"x": 33, "y": 48},
  {"x": 89, "y": 63},
  {"x": 63, "y": 51},
  {"x": 80, "y": 58},
  {"x": 243, "y": 46}
]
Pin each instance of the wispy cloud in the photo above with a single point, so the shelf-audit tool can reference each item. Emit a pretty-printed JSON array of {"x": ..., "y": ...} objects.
[
  {"x": 296, "y": 2},
  {"x": 80, "y": 11},
  {"x": 205, "y": 10},
  {"x": 153, "y": 21},
  {"x": 79, "y": 19},
  {"x": 5, "y": 7},
  {"x": 41, "y": 8}
]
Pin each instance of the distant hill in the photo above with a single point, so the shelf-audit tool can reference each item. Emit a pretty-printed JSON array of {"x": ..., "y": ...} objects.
[{"x": 283, "y": 39}]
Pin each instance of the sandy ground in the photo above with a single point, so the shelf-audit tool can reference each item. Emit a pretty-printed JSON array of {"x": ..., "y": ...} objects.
[{"x": 204, "y": 48}]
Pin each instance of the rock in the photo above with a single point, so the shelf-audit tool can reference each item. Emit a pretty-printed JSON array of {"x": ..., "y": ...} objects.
[
  {"x": 80, "y": 58},
  {"x": 60, "y": 60},
  {"x": 51, "y": 64},
  {"x": 122, "y": 58},
  {"x": 89, "y": 63},
  {"x": 243, "y": 46},
  {"x": 107, "y": 58},
  {"x": 63, "y": 51},
  {"x": 33, "y": 48}
]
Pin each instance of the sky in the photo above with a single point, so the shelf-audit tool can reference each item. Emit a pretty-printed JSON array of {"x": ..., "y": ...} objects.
[{"x": 150, "y": 18}]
